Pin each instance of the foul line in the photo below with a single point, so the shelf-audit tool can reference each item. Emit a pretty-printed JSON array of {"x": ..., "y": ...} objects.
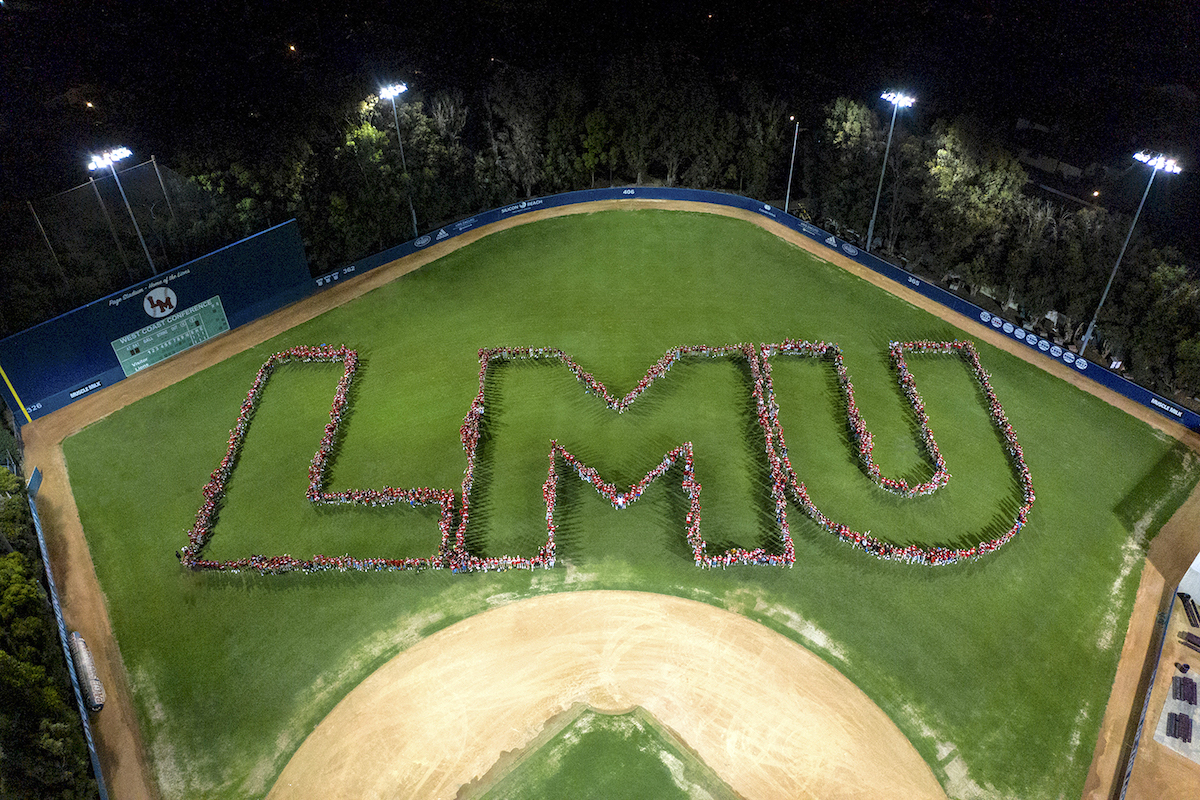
[{"x": 16, "y": 397}]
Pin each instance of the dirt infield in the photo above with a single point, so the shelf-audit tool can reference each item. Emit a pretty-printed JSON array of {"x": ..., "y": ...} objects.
[
  {"x": 126, "y": 767},
  {"x": 772, "y": 719}
]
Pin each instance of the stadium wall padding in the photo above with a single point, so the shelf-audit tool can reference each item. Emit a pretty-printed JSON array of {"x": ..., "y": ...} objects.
[
  {"x": 52, "y": 379},
  {"x": 55, "y": 363}
]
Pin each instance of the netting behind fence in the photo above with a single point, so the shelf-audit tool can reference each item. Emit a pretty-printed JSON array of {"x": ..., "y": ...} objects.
[{"x": 91, "y": 227}]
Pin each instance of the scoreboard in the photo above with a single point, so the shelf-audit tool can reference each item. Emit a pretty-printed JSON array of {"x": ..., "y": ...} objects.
[
  {"x": 59, "y": 361},
  {"x": 170, "y": 335}
]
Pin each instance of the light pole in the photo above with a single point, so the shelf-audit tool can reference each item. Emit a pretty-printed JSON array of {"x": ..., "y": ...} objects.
[
  {"x": 1157, "y": 161},
  {"x": 787, "y": 201},
  {"x": 898, "y": 101},
  {"x": 112, "y": 228},
  {"x": 109, "y": 158},
  {"x": 390, "y": 93}
]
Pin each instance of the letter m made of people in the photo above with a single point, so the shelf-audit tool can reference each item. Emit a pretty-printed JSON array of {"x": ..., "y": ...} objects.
[{"x": 540, "y": 417}]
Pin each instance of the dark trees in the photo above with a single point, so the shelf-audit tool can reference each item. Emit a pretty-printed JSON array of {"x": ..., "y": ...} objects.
[{"x": 42, "y": 752}]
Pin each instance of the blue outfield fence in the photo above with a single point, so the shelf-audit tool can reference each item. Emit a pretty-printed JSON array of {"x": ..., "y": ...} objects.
[
  {"x": 55, "y": 363},
  {"x": 35, "y": 483},
  {"x": 63, "y": 359},
  {"x": 1039, "y": 346}
]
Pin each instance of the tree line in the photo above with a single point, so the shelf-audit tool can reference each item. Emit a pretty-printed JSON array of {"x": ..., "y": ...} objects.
[
  {"x": 957, "y": 207},
  {"x": 42, "y": 749}
]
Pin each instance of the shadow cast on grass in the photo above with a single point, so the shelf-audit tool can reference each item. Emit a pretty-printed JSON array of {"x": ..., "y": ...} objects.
[{"x": 1153, "y": 499}]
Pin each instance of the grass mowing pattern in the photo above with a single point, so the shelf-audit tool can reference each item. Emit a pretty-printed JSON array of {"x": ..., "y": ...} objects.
[
  {"x": 610, "y": 758},
  {"x": 1005, "y": 663}
]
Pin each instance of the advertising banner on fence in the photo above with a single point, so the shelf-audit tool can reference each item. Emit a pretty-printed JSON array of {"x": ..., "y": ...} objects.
[
  {"x": 848, "y": 249},
  {"x": 59, "y": 361}
]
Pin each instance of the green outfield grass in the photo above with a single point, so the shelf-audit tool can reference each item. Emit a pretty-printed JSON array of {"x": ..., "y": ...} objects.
[{"x": 1002, "y": 666}]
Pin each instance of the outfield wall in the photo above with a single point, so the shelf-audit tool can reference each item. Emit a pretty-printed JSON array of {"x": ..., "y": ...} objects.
[
  {"x": 55, "y": 363},
  {"x": 59, "y": 361},
  {"x": 1042, "y": 347}
]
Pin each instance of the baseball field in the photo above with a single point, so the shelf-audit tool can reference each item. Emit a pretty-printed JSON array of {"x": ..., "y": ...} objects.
[{"x": 985, "y": 676}]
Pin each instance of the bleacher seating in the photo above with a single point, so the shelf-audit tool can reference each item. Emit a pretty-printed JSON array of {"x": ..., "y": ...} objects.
[
  {"x": 1179, "y": 726},
  {"x": 1183, "y": 689},
  {"x": 1189, "y": 608}
]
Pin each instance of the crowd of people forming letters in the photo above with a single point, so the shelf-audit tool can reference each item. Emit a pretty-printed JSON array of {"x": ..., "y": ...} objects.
[{"x": 453, "y": 554}]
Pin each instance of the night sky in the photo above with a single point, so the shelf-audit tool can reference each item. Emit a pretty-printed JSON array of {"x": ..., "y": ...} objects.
[{"x": 1114, "y": 75}]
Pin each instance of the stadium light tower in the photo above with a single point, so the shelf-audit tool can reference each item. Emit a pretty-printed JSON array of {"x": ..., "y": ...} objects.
[
  {"x": 787, "y": 200},
  {"x": 391, "y": 93},
  {"x": 109, "y": 158},
  {"x": 898, "y": 101},
  {"x": 1157, "y": 161}
]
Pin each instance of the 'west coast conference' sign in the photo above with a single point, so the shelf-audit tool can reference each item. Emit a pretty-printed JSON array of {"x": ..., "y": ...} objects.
[{"x": 52, "y": 364}]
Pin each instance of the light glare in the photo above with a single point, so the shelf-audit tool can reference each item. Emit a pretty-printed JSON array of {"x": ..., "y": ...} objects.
[
  {"x": 108, "y": 158},
  {"x": 1159, "y": 161},
  {"x": 388, "y": 92},
  {"x": 902, "y": 100}
]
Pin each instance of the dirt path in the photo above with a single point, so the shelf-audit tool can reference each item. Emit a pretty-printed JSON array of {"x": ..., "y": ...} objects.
[
  {"x": 768, "y": 716},
  {"x": 122, "y": 750}
]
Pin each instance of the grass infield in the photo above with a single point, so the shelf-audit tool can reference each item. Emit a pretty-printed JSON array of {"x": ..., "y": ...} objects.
[
  {"x": 609, "y": 757},
  {"x": 998, "y": 670}
]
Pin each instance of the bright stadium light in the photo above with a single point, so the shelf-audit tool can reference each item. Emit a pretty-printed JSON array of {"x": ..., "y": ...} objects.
[
  {"x": 109, "y": 158},
  {"x": 788, "y": 199},
  {"x": 898, "y": 101},
  {"x": 391, "y": 93},
  {"x": 1157, "y": 161}
]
